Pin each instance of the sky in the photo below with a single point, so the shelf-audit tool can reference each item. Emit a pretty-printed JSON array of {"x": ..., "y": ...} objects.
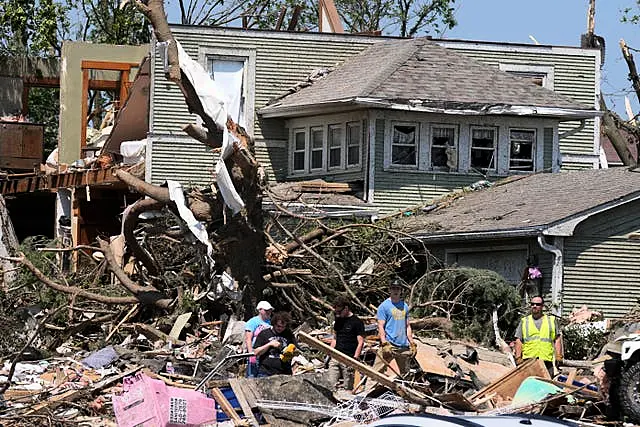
[{"x": 556, "y": 22}]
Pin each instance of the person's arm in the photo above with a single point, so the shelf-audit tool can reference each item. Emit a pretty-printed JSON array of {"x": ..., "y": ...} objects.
[
  {"x": 261, "y": 348},
  {"x": 248, "y": 337},
  {"x": 558, "y": 346},
  {"x": 381, "y": 332},
  {"x": 409, "y": 330},
  {"x": 360, "y": 338},
  {"x": 333, "y": 340},
  {"x": 517, "y": 349}
]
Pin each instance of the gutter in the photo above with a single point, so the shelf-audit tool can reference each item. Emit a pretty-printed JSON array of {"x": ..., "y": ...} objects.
[
  {"x": 483, "y": 235},
  {"x": 417, "y": 105},
  {"x": 557, "y": 272}
]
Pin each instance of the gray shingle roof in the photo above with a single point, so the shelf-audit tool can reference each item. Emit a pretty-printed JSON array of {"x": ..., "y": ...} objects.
[
  {"x": 530, "y": 203},
  {"x": 418, "y": 69}
]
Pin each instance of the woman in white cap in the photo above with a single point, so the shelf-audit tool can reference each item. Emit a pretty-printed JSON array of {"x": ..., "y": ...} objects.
[{"x": 252, "y": 328}]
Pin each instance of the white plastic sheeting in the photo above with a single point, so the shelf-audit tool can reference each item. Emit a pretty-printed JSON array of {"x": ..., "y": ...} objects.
[
  {"x": 133, "y": 151},
  {"x": 213, "y": 102},
  {"x": 197, "y": 228}
]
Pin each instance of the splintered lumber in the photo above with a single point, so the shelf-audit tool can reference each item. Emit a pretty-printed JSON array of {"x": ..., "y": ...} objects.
[
  {"x": 226, "y": 407},
  {"x": 331, "y": 187},
  {"x": 456, "y": 401},
  {"x": 242, "y": 400},
  {"x": 430, "y": 361},
  {"x": 406, "y": 392},
  {"x": 507, "y": 385}
]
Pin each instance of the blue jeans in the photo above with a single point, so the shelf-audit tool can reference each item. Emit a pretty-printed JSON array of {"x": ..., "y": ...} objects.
[{"x": 252, "y": 370}]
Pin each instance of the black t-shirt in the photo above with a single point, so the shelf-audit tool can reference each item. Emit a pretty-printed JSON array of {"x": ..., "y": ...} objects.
[
  {"x": 269, "y": 361},
  {"x": 347, "y": 330}
]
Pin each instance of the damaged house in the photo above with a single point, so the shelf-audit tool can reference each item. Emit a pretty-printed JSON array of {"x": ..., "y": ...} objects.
[
  {"x": 573, "y": 235},
  {"x": 403, "y": 121}
]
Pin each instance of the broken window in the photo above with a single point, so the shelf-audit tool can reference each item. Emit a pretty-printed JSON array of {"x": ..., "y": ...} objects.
[
  {"x": 483, "y": 148},
  {"x": 317, "y": 148},
  {"x": 299, "y": 151},
  {"x": 229, "y": 74},
  {"x": 335, "y": 146},
  {"x": 444, "y": 150},
  {"x": 404, "y": 145},
  {"x": 521, "y": 149},
  {"x": 353, "y": 143}
]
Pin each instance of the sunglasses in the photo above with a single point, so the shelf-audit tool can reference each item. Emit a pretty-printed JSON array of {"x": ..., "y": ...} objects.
[{"x": 536, "y": 304}]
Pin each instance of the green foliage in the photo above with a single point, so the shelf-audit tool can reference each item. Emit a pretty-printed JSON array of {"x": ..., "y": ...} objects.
[
  {"x": 107, "y": 23},
  {"x": 404, "y": 18},
  {"x": 582, "y": 342},
  {"x": 44, "y": 108},
  {"x": 32, "y": 27},
  {"x": 468, "y": 296},
  {"x": 631, "y": 14}
]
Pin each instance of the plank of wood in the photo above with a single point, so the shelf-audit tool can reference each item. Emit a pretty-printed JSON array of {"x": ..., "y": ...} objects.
[
  {"x": 225, "y": 405},
  {"x": 408, "y": 393},
  {"x": 242, "y": 400},
  {"x": 431, "y": 362},
  {"x": 572, "y": 376},
  {"x": 507, "y": 385}
]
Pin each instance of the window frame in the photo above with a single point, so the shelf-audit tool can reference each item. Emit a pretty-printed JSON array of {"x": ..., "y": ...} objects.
[
  {"x": 347, "y": 135},
  {"x": 547, "y": 72},
  {"x": 305, "y": 151},
  {"x": 456, "y": 145},
  {"x": 207, "y": 53},
  {"x": 496, "y": 140},
  {"x": 534, "y": 145},
  {"x": 416, "y": 145},
  {"x": 322, "y": 149},
  {"x": 342, "y": 143}
]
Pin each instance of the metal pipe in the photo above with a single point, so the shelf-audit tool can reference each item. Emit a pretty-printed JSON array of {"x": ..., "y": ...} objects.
[{"x": 557, "y": 272}]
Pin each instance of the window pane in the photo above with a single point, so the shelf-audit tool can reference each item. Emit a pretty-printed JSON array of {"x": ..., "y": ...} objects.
[
  {"x": 298, "y": 161},
  {"x": 316, "y": 138},
  {"x": 353, "y": 143},
  {"x": 521, "y": 152},
  {"x": 403, "y": 155},
  {"x": 335, "y": 157},
  {"x": 353, "y": 155},
  {"x": 443, "y": 147},
  {"x": 335, "y": 137},
  {"x": 482, "y": 148},
  {"x": 316, "y": 159},
  {"x": 404, "y": 134},
  {"x": 438, "y": 156},
  {"x": 299, "y": 141}
]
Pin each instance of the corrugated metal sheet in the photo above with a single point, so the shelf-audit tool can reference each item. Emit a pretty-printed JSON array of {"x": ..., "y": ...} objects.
[{"x": 602, "y": 265}]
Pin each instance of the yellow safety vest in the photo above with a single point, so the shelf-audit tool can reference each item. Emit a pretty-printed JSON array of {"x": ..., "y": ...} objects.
[{"x": 538, "y": 343}]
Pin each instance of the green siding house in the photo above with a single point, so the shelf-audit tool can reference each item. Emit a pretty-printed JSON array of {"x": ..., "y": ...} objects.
[
  {"x": 581, "y": 227},
  {"x": 407, "y": 120}
]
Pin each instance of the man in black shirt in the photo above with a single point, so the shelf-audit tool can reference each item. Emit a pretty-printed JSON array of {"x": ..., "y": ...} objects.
[
  {"x": 274, "y": 347},
  {"x": 348, "y": 333}
]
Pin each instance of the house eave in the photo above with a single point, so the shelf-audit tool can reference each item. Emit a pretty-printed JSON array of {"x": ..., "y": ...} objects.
[
  {"x": 417, "y": 105},
  {"x": 473, "y": 235}
]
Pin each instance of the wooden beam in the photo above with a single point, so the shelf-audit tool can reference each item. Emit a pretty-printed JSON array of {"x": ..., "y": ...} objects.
[
  {"x": 108, "y": 65},
  {"x": 226, "y": 407},
  {"x": 85, "y": 108},
  {"x": 410, "y": 394}
]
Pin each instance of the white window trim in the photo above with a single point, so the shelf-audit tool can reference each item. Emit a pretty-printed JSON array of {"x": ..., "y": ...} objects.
[
  {"x": 249, "y": 58},
  {"x": 293, "y": 151},
  {"x": 389, "y": 145},
  {"x": 324, "y": 123},
  {"x": 534, "y": 150},
  {"x": 546, "y": 70},
  {"x": 343, "y": 143},
  {"x": 456, "y": 144},
  {"x": 496, "y": 140},
  {"x": 323, "y": 150},
  {"x": 360, "y": 126}
]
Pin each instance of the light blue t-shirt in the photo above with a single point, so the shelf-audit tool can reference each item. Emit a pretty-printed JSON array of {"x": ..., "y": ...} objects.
[
  {"x": 256, "y": 325},
  {"x": 395, "y": 317}
]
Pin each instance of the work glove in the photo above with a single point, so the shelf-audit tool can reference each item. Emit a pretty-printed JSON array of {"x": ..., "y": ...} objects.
[
  {"x": 287, "y": 353},
  {"x": 559, "y": 358},
  {"x": 386, "y": 349},
  {"x": 519, "y": 361},
  {"x": 414, "y": 349}
]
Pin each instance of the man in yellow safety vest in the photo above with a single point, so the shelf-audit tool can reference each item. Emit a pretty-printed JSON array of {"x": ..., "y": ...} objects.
[{"x": 538, "y": 336}]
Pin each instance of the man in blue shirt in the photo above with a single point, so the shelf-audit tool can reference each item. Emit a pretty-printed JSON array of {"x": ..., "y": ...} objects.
[
  {"x": 253, "y": 327},
  {"x": 396, "y": 338}
]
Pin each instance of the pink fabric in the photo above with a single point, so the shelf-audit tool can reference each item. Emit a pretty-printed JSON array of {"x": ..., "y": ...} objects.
[{"x": 151, "y": 403}]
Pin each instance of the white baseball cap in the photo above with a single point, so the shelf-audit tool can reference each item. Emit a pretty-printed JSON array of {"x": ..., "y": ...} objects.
[{"x": 264, "y": 305}]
